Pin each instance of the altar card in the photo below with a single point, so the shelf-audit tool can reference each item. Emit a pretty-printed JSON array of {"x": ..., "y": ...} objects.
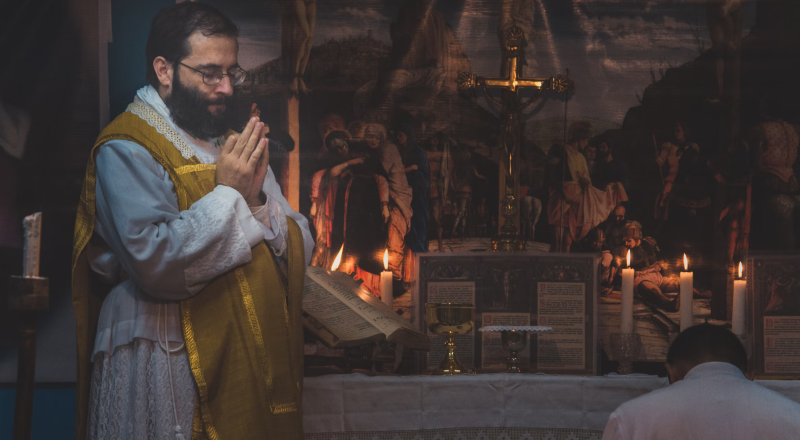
[
  {"x": 554, "y": 290},
  {"x": 563, "y": 307},
  {"x": 773, "y": 296}
]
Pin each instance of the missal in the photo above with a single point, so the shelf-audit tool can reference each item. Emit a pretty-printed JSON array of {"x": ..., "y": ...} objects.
[{"x": 341, "y": 313}]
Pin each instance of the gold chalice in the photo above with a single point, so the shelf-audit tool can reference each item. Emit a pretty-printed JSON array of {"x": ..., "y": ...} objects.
[{"x": 450, "y": 320}]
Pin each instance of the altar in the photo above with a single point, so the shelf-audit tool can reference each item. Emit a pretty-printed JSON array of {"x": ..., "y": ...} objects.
[{"x": 484, "y": 406}]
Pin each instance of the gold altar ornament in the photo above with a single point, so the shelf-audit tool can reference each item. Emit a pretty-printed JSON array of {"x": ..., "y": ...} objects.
[
  {"x": 450, "y": 320},
  {"x": 511, "y": 108}
]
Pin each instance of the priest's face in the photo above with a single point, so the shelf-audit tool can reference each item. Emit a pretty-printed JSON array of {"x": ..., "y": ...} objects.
[{"x": 199, "y": 108}]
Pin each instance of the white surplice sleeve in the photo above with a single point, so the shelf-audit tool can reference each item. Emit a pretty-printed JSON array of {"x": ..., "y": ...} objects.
[
  {"x": 169, "y": 254},
  {"x": 272, "y": 218}
]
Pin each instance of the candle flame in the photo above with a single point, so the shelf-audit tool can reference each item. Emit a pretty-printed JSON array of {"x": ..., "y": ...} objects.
[
  {"x": 629, "y": 258},
  {"x": 386, "y": 259},
  {"x": 740, "y": 269},
  {"x": 685, "y": 262},
  {"x": 338, "y": 259}
]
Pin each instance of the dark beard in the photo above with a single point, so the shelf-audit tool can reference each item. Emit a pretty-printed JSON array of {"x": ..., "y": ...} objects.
[{"x": 189, "y": 111}]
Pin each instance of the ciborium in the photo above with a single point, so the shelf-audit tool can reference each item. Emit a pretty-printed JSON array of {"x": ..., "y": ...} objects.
[
  {"x": 514, "y": 339},
  {"x": 450, "y": 320}
]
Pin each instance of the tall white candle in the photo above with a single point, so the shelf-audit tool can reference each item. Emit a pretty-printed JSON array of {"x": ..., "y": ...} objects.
[
  {"x": 387, "y": 295},
  {"x": 738, "y": 322},
  {"x": 626, "y": 307},
  {"x": 687, "y": 294},
  {"x": 32, "y": 225}
]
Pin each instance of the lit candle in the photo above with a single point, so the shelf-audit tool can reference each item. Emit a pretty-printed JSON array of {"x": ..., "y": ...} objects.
[
  {"x": 687, "y": 287},
  {"x": 337, "y": 260},
  {"x": 386, "y": 281},
  {"x": 626, "y": 309},
  {"x": 739, "y": 288}
]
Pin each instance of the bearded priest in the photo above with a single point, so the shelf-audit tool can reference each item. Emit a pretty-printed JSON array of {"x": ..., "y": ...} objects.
[{"x": 188, "y": 263}]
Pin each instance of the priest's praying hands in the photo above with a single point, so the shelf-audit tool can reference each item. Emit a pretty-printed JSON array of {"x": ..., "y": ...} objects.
[{"x": 244, "y": 161}]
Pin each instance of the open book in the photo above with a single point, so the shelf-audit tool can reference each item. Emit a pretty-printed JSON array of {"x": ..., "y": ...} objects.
[{"x": 341, "y": 313}]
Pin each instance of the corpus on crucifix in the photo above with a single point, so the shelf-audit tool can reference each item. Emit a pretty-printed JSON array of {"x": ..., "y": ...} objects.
[{"x": 511, "y": 105}]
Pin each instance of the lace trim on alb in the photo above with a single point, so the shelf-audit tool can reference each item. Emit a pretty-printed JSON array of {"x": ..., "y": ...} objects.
[{"x": 155, "y": 120}]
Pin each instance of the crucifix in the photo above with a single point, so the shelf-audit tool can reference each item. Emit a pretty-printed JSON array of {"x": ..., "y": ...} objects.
[{"x": 511, "y": 105}]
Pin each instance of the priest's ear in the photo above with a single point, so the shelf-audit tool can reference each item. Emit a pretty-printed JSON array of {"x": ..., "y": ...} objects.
[{"x": 164, "y": 71}]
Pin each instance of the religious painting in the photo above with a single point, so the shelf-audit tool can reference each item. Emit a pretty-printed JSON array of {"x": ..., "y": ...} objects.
[
  {"x": 668, "y": 141},
  {"x": 391, "y": 157}
]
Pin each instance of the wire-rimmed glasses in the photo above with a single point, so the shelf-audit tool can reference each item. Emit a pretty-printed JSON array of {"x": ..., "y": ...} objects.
[{"x": 213, "y": 77}]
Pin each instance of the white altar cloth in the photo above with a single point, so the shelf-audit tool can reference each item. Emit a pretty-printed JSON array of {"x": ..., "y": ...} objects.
[{"x": 357, "y": 403}]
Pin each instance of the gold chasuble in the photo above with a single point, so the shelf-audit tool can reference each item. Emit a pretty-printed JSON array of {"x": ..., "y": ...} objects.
[{"x": 243, "y": 331}]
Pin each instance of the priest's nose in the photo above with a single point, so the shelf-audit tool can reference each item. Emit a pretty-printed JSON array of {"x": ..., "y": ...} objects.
[{"x": 224, "y": 87}]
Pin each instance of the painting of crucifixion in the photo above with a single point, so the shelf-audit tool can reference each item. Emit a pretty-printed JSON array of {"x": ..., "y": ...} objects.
[{"x": 407, "y": 114}]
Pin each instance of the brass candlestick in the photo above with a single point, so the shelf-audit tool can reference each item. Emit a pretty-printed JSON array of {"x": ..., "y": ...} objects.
[
  {"x": 508, "y": 239},
  {"x": 450, "y": 320}
]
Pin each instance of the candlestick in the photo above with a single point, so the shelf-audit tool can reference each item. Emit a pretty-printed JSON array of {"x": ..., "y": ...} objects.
[
  {"x": 626, "y": 307},
  {"x": 687, "y": 294},
  {"x": 739, "y": 295},
  {"x": 387, "y": 296}
]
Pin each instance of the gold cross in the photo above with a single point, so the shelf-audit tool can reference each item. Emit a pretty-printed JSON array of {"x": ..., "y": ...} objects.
[
  {"x": 513, "y": 82},
  {"x": 467, "y": 81}
]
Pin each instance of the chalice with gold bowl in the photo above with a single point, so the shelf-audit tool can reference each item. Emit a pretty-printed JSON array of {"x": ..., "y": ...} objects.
[{"x": 450, "y": 320}]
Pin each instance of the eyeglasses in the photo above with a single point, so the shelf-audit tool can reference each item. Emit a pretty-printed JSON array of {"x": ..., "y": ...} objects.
[{"x": 213, "y": 77}]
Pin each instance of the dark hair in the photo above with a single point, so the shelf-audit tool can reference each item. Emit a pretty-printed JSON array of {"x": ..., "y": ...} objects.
[
  {"x": 580, "y": 130},
  {"x": 336, "y": 134},
  {"x": 684, "y": 123},
  {"x": 707, "y": 343},
  {"x": 599, "y": 139},
  {"x": 172, "y": 26}
]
